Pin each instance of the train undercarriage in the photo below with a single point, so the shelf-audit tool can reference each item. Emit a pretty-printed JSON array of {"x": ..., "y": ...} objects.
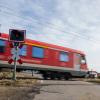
[{"x": 48, "y": 73}]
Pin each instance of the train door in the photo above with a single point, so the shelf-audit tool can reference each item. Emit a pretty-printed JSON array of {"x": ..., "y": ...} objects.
[{"x": 77, "y": 62}]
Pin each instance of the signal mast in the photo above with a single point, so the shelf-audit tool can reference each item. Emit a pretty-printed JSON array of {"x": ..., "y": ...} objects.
[{"x": 16, "y": 39}]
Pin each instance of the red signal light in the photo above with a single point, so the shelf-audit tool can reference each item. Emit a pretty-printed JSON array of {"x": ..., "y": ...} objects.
[{"x": 17, "y": 35}]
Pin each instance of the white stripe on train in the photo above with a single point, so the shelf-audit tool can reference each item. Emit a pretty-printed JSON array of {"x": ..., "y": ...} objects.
[{"x": 44, "y": 66}]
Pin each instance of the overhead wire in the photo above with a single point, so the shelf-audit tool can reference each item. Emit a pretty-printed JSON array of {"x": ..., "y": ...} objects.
[
  {"x": 21, "y": 17},
  {"x": 52, "y": 25}
]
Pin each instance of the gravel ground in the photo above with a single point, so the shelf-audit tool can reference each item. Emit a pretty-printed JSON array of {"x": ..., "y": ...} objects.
[
  {"x": 18, "y": 93},
  {"x": 68, "y": 90}
]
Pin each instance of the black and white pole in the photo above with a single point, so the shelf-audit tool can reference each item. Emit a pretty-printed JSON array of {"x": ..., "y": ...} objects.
[{"x": 16, "y": 44}]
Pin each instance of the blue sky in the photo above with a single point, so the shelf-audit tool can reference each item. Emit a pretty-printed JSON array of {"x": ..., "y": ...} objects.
[{"x": 70, "y": 23}]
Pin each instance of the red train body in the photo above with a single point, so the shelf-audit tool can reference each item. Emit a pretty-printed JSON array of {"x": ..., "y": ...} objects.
[{"x": 50, "y": 60}]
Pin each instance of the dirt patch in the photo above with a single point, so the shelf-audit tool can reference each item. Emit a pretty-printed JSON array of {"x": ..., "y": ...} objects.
[
  {"x": 21, "y": 89},
  {"x": 18, "y": 93}
]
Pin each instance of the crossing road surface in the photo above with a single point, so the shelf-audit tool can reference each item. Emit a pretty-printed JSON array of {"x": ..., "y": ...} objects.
[{"x": 68, "y": 90}]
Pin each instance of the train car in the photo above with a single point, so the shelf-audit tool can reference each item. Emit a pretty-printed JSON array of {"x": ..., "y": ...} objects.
[{"x": 50, "y": 60}]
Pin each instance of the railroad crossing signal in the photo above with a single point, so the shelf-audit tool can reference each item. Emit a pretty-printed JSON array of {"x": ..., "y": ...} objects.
[{"x": 16, "y": 37}]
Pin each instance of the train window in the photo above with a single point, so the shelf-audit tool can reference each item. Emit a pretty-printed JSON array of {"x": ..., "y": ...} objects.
[
  {"x": 83, "y": 60},
  {"x": 23, "y": 51},
  {"x": 64, "y": 56},
  {"x": 2, "y": 46},
  {"x": 37, "y": 52}
]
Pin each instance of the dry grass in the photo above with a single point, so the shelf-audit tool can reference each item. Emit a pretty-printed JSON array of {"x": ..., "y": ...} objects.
[
  {"x": 5, "y": 75},
  {"x": 6, "y": 79},
  {"x": 18, "y": 83},
  {"x": 97, "y": 81}
]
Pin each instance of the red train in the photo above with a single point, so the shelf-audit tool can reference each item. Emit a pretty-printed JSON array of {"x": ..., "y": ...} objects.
[{"x": 50, "y": 60}]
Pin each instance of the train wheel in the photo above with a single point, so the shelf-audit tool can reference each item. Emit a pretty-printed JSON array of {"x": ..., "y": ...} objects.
[
  {"x": 67, "y": 76},
  {"x": 52, "y": 77},
  {"x": 44, "y": 76},
  {"x": 59, "y": 78}
]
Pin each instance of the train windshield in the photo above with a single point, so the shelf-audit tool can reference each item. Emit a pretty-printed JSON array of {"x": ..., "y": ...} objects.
[{"x": 83, "y": 60}]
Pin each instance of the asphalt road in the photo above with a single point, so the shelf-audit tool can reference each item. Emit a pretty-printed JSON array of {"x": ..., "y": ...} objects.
[{"x": 68, "y": 90}]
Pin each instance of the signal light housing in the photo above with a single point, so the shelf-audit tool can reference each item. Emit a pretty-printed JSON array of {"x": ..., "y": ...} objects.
[{"x": 17, "y": 35}]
